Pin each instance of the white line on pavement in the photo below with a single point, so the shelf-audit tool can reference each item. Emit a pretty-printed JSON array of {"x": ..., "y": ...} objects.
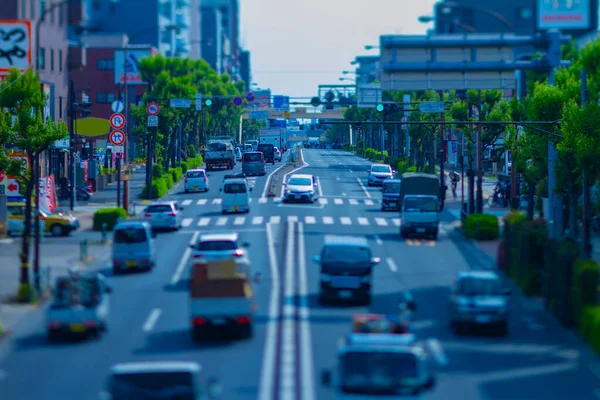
[
  {"x": 378, "y": 240},
  {"x": 310, "y": 220},
  {"x": 319, "y": 187},
  {"x": 304, "y": 165},
  {"x": 184, "y": 260},
  {"x": 392, "y": 264},
  {"x": 381, "y": 221},
  {"x": 353, "y": 202},
  {"x": 270, "y": 349},
  {"x": 328, "y": 220},
  {"x": 322, "y": 201},
  {"x": 346, "y": 221},
  {"x": 338, "y": 201},
  {"x": 369, "y": 202},
  {"x": 306, "y": 356},
  {"x": 287, "y": 367},
  {"x": 186, "y": 202},
  {"x": 217, "y": 201},
  {"x": 187, "y": 222},
  {"x": 262, "y": 200},
  {"x": 239, "y": 220},
  {"x": 222, "y": 221},
  {"x": 437, "y": 351},
  {"x": 201, "y": 202},
  {"x": 151, "y": 320},
  {"x": 396, "y": 221},
  {"x": 363, "y": 221},
  {"x": 363, "y": 188},
  {"x": 204, "y": 221},
  {"x": 257, "y": 220},
  {"x": 275, "y": 219}
]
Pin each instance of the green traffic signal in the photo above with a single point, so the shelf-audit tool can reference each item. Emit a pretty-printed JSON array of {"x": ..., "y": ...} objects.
[
  {"x": 379, "y": 107},
  {"x": 208, "y": 102}
]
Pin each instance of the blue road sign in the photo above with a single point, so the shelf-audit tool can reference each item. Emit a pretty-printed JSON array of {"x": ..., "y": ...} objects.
[
  {"x": 281, "y": 102},
  {"x": 259, "y": 115},
  {"x": 237, "y": 101},
  {"x": 279, "y": 123},
  {"x": 431, "y": 107},
  {"x": 250, "y": 97}
]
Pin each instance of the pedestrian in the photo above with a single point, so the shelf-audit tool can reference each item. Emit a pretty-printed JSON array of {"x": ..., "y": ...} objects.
[{"x": 454, "y": 183}]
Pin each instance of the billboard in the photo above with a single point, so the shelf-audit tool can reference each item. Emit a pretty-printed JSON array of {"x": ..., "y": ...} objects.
[
  {"x": 16, "y": 45},
  {"x": 133, "y": 69},
  {"x": 563, "y": 14},
  {"x": 48, "y": 102}
]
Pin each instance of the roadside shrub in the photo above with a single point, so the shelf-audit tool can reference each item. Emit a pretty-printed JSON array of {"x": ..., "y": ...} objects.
[
  {"x": 583, "y": 289},
  {"x": 514, "y": 216},
  {"x": 184, "y": 166},
  {"x": 176, "y": 173},
  {"x": 589, "y": 326},
  {"x": 482, "y": 227},
  {"x": 159, "y": 189},
  {"x": 157, "y": 171},
  {"x": 168, "y": 180},
  {"x": 528, "y": 241},
  {"x": 108, "y": 216}
]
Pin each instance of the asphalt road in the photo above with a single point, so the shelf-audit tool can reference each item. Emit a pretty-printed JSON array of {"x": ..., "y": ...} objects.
[{"x": 294, "y": 336}]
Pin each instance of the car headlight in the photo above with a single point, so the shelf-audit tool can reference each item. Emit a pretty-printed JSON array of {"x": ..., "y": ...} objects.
[
  {"x": 288, "y": 191},
  {"x": 325, "y": 278}
]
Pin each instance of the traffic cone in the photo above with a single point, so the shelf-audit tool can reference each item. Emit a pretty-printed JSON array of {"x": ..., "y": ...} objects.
[{"x": 271, "y": 193}]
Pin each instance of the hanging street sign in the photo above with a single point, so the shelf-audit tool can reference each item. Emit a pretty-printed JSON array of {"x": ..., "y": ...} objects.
[
  {"x": 152, "y": 109},
  {"x": 117, "y": 106},
  {"x": 118, "y": 149},
  {"x": 237, "y": 101},
  {"x": 117, "y": 121},
  {"x": 258, "y": 115},
  {"x": 263, "y": 101},
  {"x": 431, "y": 107},
  {"x": 117, "y": 137},
  {"x": 152, "y": 120},
  {"x": 180, "y": 103},
  {"x": 250, "y": 97},
  {"x": 198, "y": 101}
]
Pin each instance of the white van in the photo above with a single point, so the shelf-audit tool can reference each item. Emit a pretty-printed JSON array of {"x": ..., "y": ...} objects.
[
  {"x": 195, "y": 180},
  {"x": 133, "y": 247},
  {"x": 236, "y": 196}
]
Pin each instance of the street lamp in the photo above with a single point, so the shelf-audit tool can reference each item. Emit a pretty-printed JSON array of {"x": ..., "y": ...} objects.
[
  {"x": 449, "y": 5},
  {"x": 349, "y": 72},
  {"x": 371, "y": 47},
  {"x": 347, "y": 79},
  {"x": 425, "y": 19}
]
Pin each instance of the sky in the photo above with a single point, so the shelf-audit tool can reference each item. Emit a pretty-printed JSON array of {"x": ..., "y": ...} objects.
[{"x": 298, "y": 45}]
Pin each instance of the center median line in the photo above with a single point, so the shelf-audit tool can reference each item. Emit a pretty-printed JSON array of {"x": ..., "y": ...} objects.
[
  {"x": 152, "y": 320},
  {"x": 184, "y": 260}
]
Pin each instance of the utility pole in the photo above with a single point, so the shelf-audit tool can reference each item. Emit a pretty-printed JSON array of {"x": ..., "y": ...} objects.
[
  {"x": 124, "y": 144},
  {"x": 35, "y": 175},
  {"x": 72, "y": 111},
  {"x": 443, "y": 186},
  {"x": 479, "y": 159},
  {"x": 470, "y": 172},
  {"x": 587, "y": 242}
]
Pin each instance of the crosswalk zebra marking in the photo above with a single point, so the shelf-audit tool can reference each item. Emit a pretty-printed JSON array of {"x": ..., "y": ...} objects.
[
  {"x": 222, "y": 221},
  {"x": 292, "y": 218},
  {"x": 276, "y": 199},
  {"x": 187, "y": 222},
  {"x": 257, "y": 220},
  {"x": 381, "y": 222},
  {"x": 346, "y": 221},
  {"x": 363, "y": 221},
  {"x": 338, "y": 201},
  {"x": 186, "y": 202},
  {"x": 310, "y": 220},
  {"x": 396, "y": 221},
  {"x": 275, "y": 219},
  {"x": 262, "y": 200},
  {"x": 201, "y": 202},
  {"x": 250, "y": 200},
  {"x": 239, "y": 220},
  {"x": 204, "y": 221},
  {"x": 328, "y": 220},
  {"x": 217, "y": 201},
  {"x": 353, "y": 202},
  {"x": 323, "y": 201},
  {"x": 369, "y": 202}
]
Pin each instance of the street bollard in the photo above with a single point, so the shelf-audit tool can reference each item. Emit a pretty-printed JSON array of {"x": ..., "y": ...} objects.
[
  {"x": 104, "y": 233},
  {"x": 83, "y": 250}
]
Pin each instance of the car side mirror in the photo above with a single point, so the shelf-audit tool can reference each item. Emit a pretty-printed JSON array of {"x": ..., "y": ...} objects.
[
  {"x": 326, "y": 377},
  {"x": 317, "y": 259},
  {"x": 250, "y": 189},
  {"x": 245, "y": 244},
  {"x": 375, "y": 260},
  {"x": 430, "y": 384},
  {"x": 220, "y": 190},
  {"x": 108, "y": 289},
  {"x": 507, "y": 292}
]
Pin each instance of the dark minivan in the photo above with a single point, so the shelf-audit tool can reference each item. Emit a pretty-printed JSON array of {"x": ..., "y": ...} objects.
[
  {"x": 390, "y": 196},
  {"x": 269, "y": 152},
  {"x": 253, "y": 163},
  {"x": 346, "y": 269}
]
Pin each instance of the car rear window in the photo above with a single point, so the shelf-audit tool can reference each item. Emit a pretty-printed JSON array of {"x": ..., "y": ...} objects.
[
  {"x": 216, "y": 245},
  {"x": 159, "y": 209},
  {"x": 268, "y": 147},
  {"x": 130, "y": 235},
  {"x": 252, "y": 157},
  {"x": 152, "y": 385},
  {"x": 195, "y": 174},
  {"x": 232, "y": 188}
]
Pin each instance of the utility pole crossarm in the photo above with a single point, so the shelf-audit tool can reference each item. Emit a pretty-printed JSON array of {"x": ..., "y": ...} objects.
[{"x": 527, "y": 123}]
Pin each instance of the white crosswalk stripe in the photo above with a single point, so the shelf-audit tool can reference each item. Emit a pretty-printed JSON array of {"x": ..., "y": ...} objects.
[
  {"x": 204, "y": 221},
  {"x": 275, "y": 219},
  {"x": 328, "y": 220},
  {"x": 201, "y": 202},
  {"x": 217, "y": 201},
  {"x": 292, "y": 218},
  {"x": 186, "y": 202},
  {"x": 187, "y": 222},
  {"x": 363, "y": 221},
  {"x": 338, "y": 201},
  {"x": 276, "y": 199},
  {"x": 262, "y": 200},
  {"x": 369, "y": 202},
  {"x": 266, "y": 200},
  {"x": 257, "y": 220},
  {"x": 396, "y": 221},
  {"x": 239, "y": 220},
  {"x": 222, "y": 221},
  {"x": 381, "y": 221},
  {"x": 346, "y": 221},
  {"x": 310, "y": 219},
  {"x": 353, "y": 202},
  {"x": 323, "y": 201}
]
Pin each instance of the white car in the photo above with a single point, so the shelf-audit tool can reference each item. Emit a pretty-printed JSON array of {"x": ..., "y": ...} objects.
[
  {"x": 165, "y": 215},
  {"x": 379, "y": 173},
  {"x": 222, "y": 246},
  {"x": 277, "y": 154},
  {"x": 300, "y": 188},
  {"x": 238, "y": 154},
  {"x": 196, "y": 180}
]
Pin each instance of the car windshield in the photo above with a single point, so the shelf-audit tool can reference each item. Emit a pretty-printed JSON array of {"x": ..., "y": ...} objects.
[
  {"x": 146, "y": 386},
  {"x": 159, "y": 209},
  {"x": 130, "y": 235},
  {"x": 391, "y": 187},
  {"x": 300, "y": 181},
  {"x": 381, "y": 168},
  {"x": 216, "y": 245},
  {"x": 263, "y": 147},
  {"x": 195, "y": 174},
  {"x": 234, "y": 188},
  {"x": 420, "y": 204},
  {"x": 481, "y": 287},
  {"x": 252, "y": 157},
  {"x": 377, "y": 369},
  {"x": 346, "y": 254},
  {"x": 71, "y": 291}
]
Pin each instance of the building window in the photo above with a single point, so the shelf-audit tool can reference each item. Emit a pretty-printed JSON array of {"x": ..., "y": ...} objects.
[
  {"x": 105, "y": 97},
  {"x": 52, "y": 19},
  {"x": 42, "y": 6},
  {"x": 61, "y": 15},
  {"x": 32, "y": 9},
  {"x": 42, "y": 58},
  {"x": 60, "y": 60},
  {"x": 105, "y": 64},
  {"x": 51, "y": 59}
]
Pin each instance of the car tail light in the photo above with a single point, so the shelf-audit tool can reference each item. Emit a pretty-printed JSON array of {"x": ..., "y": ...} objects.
[
  {"x": 90, "y": 324},
  {"x": 117, "y": 262},
  {"x": 144, "y": 261},
  {"x": 243, "y": 320},
  {"x": 172, "y": 215},
  {"x": 147, "y": 215},
  {"x": 198, "y": 321},
  {"x": 185, "y": 181},
  {"x": 204, "y": 179},
  {"x": 199, "y": 255},
  {"x": 237, "y": 253}
]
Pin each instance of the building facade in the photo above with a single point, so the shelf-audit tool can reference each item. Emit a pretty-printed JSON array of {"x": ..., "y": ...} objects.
[
  {"x": 367, "y": 69},
  {"x": 220, "y": 36},
  {"x": 245, "y": 71}
]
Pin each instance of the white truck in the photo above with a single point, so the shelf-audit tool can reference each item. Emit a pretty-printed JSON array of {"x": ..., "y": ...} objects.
[
  {"x": 419, "y": 204},
  {"x": 274, "y": 136},
  {"x": 221, "y": 301}
]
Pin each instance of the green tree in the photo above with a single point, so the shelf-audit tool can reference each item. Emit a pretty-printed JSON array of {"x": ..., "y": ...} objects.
[
  {"x": 22, "y": 97},
  {"x": 250, "y": 128}
]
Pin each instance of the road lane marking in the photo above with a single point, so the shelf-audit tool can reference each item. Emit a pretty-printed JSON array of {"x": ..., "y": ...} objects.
[
  {"x": 396, "y": 221},
  {"x": 187, "y": 222},
  {"x": 369, "y": 202},
  {"x": 277, "y": 199},
  {"x": 381, "y": 221},
  {"x": 257, "y": 220},
  {"x": 363, "y": 188},
  {"x": 319, "y": 187},
  {"x": 338, "y": 201},
  {"x": 268, "y": 181},
  {"x": 275, "y": 219},
  {"x": 328, "y": 220},
  {"x": 262, "y": 200},
  {"x": 287, "y": 367},
  {"x": 292, "y": 218},
  {"x": 363, "y": 221},
  {"x": 239, "y": 220},
  {"x": 437, "y": 351},
  {"x": 250, "y": 200},
  {"x": 184, "y": 260},
  {"x": 353, "y": 202},
  {"x": 378, "y": 240},
  {"x": 392, "y": 264},
  {"x": 186, "y": 202},
  {"x": 151, "y": 320},
  {"x": 222, "y": 221},
  {"x": 201, "y": 202},
  {"x": 323, "y": 201},
  {"x": 267, "y": 382},
  {"x": 310, "y": 220},
  {"x": 217, "y": 201},
  {"x": 346, "y": 221},
  {"x": 204, "y": 221},
  {"x": 306, "y": 357}
]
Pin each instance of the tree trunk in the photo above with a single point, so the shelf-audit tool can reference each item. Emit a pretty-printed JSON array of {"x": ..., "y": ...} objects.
[
  {"x": 26, "y": 240},
  {"x": 573, "y": 197},
  {"x": 530, "y": 200},
  {"x": 35, "y": 177}
]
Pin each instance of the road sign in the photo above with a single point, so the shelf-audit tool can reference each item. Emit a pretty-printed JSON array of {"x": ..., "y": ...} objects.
[
  {"x": 258, "y": 115},
  {"x": 117, "y": 137},
  {"x": 250, "y": 97},
  {"x": 431, "y": 107},
  {"x": 152, "y": 120},
  {"x": 118, "y": 149},
  {"x": 263, "y": 101},
  {"x": 281, "y": 102},
  {"x": 180, "y": 103},
  {"x": 117, "y": 106},
  {"x": 237, "y": 101},
  {"x": 198, "y": 101},
  {"x": 12, "y": 187},
  {"x": 287, "y": 114},
  {"x": 117, "y": 121},
  {"x": 152, "y": 109}
]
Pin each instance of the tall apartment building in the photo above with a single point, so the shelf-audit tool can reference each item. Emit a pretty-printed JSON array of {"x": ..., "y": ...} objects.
[
  {"x": 220, "y": 36},
  {"x": 245, "y": 71}
]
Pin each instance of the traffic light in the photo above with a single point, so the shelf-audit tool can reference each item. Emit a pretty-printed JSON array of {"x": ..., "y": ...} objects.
[
  {"x": 208, "y": 102},
  {"x": 380, "y": 107},
  {"x": 85, "y": 107},
  {"x": 315, "y": 102}
]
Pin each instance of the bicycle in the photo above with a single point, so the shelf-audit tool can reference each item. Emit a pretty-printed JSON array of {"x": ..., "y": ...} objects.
[{"x": 495, "y": 201}]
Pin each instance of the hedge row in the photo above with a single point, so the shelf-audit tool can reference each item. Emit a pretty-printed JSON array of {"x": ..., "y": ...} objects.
[
  {"x": 191, "y": 163},
  {"x": 482, "y": 227},
  {"x": 108, "y": 216},
  {"x": 162, "y": 182}
]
